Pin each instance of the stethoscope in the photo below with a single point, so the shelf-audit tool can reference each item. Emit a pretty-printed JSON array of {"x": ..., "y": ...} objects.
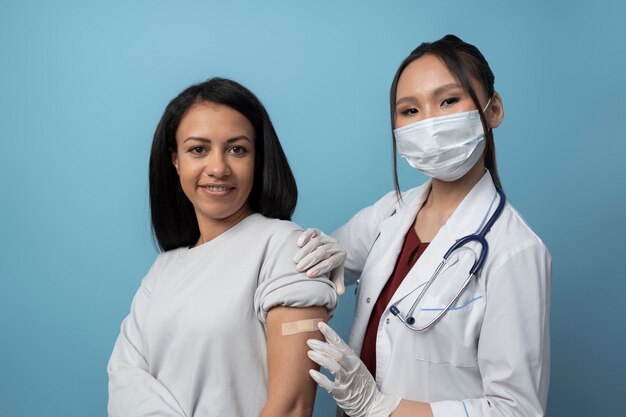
[{"x": 479, "y": 237}]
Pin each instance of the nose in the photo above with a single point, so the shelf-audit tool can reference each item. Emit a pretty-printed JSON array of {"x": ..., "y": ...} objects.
[
  {"x": 217, "y": 166},
  {"x": 427, "y": 112}
]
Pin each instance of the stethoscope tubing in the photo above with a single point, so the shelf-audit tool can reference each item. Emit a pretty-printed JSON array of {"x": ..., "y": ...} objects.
[{"x": 479, "y": 237}]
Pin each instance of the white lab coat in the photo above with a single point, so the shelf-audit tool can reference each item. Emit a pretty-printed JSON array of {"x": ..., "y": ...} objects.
[{"x": 489, "y": 355}]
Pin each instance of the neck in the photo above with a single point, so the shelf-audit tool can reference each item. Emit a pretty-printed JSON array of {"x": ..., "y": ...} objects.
[{"x": 212, "y": 228}]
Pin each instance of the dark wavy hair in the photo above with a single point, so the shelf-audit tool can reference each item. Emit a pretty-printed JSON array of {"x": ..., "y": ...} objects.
[
  {"x": 465, "y": 61},
  {"x": 274, "y": 191}
]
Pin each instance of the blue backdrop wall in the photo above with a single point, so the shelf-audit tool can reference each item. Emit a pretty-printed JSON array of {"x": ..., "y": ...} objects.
[{"x": 83, "y": 84}]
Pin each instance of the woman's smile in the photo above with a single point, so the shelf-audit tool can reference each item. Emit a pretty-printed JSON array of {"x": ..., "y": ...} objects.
[{"x": 217, "y": 190}]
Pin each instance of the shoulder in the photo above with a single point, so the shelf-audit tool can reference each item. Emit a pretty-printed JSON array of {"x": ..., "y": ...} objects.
[
  {"x": 158, "y": 269},
  {"x": 165, "y": 258},
  {"x": 389, "y": 204},
  {"x": 277, "y": 233},
  {"x": 513, "y": 229},
  {"x": 162, "y": 260},
  {"x": 273, "y": 227},
  {"x": 365, "y": 224},
  {"x": 521, "y": 227}
]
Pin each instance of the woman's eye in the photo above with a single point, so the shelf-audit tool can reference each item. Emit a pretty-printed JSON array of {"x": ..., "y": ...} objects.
[
  {"x": 197, "y": 150},
  {"x": 449, "y": 101},
  {"x": 237, "y": 150},
  {"x": 409, "y": 111}
]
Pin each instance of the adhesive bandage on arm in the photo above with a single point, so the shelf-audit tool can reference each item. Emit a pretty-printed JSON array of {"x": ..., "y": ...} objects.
[{"x": 300, "y": 326}]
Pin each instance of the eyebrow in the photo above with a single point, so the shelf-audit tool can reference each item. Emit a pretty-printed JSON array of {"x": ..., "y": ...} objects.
[
  {"x": 445, "y": 88},
  {"x": 208, "y": 140},
  {"x": 437, "y": 91}
]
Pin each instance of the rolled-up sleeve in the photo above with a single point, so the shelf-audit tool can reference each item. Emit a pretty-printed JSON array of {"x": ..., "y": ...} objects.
[{"x": 281, "y": 285}]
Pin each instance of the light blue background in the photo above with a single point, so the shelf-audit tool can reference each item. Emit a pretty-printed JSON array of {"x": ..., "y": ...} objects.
[{"x": 83, "y": 84}]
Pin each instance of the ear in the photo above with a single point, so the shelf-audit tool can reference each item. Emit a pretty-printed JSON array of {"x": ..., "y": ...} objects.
[
  {"x": 495, "y": 112},
  {"x": 175, "y": 161}
]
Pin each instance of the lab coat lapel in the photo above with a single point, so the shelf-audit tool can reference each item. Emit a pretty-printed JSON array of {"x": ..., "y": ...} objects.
[
  {"x": 383, "y": 257},
  {"x": 465, "y": 220}
]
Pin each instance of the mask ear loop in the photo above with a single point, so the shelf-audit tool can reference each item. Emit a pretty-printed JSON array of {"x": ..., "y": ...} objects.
[{"x": 486, "y": 107}]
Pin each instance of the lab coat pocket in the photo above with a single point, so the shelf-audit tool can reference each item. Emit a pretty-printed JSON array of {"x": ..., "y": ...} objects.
[{"x": 454, "y": 338}]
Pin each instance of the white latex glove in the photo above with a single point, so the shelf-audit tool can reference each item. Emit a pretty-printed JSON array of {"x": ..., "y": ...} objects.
[
  {"x": 354, "y": 388},
  {"x": 320, "y": 254}
]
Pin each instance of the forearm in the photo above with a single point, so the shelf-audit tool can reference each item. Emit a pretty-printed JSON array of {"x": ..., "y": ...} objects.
[
  {"x": 134, "y": 392},
  {"x": 408, "y": 408}
]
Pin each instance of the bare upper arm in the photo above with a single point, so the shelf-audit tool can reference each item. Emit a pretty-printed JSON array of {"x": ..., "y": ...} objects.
[{"x": 291, "y": 391}]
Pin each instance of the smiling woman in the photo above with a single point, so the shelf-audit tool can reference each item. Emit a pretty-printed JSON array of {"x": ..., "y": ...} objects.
[
  {"x": 214, "y": 158},
  {"x": 224, "y": 108},
  {"x": 221, "y": 192}
]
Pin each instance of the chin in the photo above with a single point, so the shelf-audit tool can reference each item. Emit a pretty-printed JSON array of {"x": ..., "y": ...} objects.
[{"x": 222, "y": 214}]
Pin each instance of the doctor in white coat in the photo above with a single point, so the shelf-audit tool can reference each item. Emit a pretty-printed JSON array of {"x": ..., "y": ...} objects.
[{"x": 489, "y": 353}]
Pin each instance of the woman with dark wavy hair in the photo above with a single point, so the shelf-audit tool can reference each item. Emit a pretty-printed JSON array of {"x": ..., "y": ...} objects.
[{"x": 220, "y": 323}]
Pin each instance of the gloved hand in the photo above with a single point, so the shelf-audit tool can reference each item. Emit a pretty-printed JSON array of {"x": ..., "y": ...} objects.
[
  {"x": 354, "y": 388},
  {"x": 321, "y": 253}
]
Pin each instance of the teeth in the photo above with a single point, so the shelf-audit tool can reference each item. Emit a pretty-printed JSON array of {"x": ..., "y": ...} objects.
[{"x": 217, "y": 188}]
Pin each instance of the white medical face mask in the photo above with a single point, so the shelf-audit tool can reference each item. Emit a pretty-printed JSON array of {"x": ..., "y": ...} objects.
[{"x": 445, "y": 147}]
